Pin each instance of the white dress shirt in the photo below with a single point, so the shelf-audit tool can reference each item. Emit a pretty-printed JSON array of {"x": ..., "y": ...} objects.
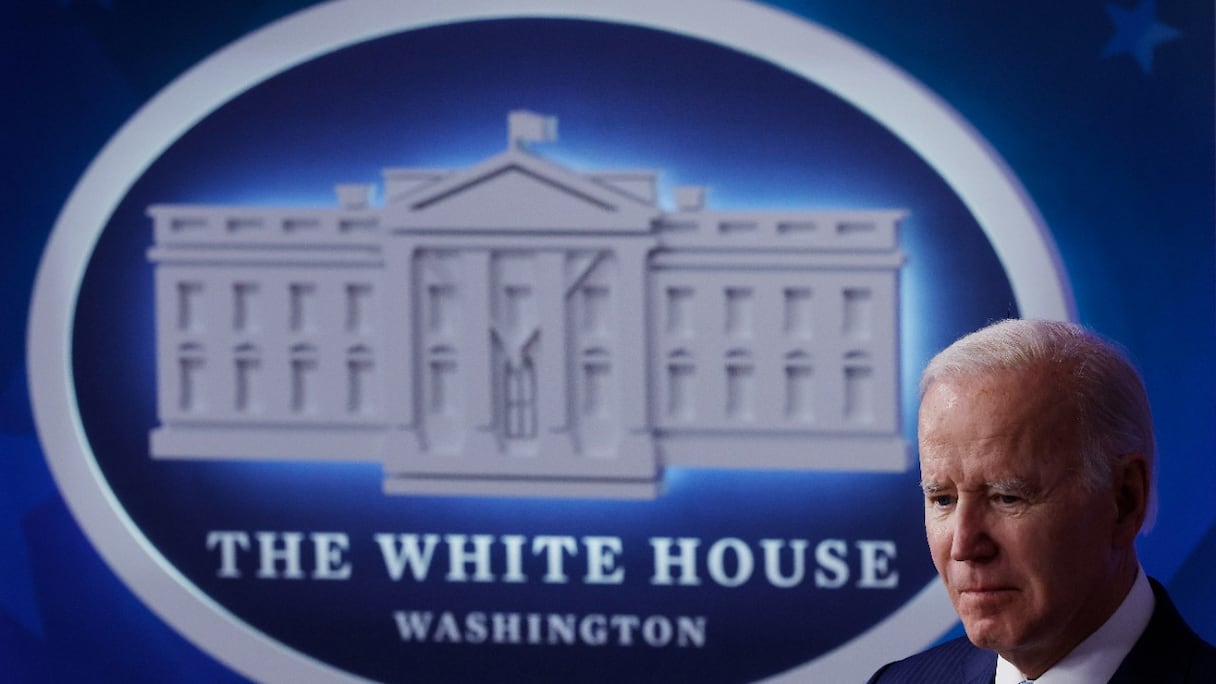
[{"x": 1096, "y": 658}]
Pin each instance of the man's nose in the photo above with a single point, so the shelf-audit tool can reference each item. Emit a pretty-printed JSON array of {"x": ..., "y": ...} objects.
[{"x": 972, "y": 538}]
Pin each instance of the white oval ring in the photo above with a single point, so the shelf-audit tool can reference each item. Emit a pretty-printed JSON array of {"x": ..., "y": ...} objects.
[{"x": 926, "y": 124}]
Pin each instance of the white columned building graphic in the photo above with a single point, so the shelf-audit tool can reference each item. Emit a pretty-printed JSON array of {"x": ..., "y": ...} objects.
[{"x": 523, "y": 328}]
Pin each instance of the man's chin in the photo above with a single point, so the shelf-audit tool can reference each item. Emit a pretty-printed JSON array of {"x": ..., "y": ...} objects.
[{"x": 985, "y": 634}]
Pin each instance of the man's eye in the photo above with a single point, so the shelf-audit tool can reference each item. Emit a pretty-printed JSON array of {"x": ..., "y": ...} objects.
[
  {"x": 1008, "y": 499},
  {"x": 942, "y": 500}
]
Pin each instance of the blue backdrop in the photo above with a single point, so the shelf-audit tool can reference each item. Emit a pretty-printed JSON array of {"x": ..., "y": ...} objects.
[{"x": 1103, "y": 111}]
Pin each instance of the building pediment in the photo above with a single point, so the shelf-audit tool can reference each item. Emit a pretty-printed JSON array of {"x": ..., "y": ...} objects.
[{"x": 520, "y": 192}]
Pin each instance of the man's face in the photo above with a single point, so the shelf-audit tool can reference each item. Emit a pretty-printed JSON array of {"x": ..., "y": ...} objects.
[{"x": 1024, "y": 550}]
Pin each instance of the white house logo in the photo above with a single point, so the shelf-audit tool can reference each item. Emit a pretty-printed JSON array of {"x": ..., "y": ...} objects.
[
  {"x": 520, "y": 327},
  {"x": 525, "y": 414}
]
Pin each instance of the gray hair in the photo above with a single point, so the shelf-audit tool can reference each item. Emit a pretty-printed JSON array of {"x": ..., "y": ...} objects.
[{"x": 1104, "y": 388}]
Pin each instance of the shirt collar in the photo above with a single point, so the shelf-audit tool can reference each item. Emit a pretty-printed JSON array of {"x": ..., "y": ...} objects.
[{"x": 1097, "y": 658}]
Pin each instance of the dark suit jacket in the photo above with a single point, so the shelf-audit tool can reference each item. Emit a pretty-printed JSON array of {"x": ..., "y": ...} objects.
[{"x": 1167, "y": 653}]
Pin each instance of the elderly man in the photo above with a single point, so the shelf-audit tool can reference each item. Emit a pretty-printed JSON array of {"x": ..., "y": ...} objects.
[{"x": 1036, "y": 454}]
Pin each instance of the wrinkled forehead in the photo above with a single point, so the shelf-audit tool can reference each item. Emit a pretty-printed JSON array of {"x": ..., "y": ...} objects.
[
  {"x": 1026, "y": 411},
  {"x": 1033, "y": 391}
]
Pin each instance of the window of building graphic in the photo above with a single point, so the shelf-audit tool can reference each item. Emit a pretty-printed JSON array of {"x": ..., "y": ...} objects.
[
  {"x": 679, "y": 319},
  {"x": 441, "y": 385},
  {"x": 303, "y": 378},
  {"x": 243, "y": 302},
  {"x": 858, "y": 388},
  {"x": 681, "y": 372},
  {"x": 357, "y": 225},
  {"x": 797, "y": 314},
  {"x": 301, "y": 307},
  {"x": 740, "y": 375},
  {"x": 244, "y": 224},
  {"x": 520, "y": 390},
  {"x": 799, "y": 400},
  {"x": 441, "y": 308},
  {"x": 517, "y": 305},
  {"x": 359, "y": 369},
  {"x": 303, "y": 224},
  {"x": 248, "y": 363},
  {"x": 858, "y": 313},
  {"x": 797, "y": 228},
  {"x": 739, "y": 305},
  {"x": 597, "y": 373},
  {"x": 439, "y": 295},
  {"x": 854, "y": 228},
  {"x": 188, "y": 224},
  {"x": 191, "y": 364},
  {"x": 189, "y": 306},
  {"x": 737, "y": 227},
  {"x": 595, "y": 310},
  {"x": 358, "y": 307}
]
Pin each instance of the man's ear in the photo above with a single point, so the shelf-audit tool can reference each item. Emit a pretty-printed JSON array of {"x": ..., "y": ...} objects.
[{"x": 1131, "y": 498}]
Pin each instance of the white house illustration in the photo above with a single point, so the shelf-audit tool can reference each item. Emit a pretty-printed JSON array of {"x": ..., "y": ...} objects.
[{"x": 523, "y": 328}]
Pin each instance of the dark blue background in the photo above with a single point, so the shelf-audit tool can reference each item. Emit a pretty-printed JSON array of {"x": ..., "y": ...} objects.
[{"x": 1118, "y": 160}]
